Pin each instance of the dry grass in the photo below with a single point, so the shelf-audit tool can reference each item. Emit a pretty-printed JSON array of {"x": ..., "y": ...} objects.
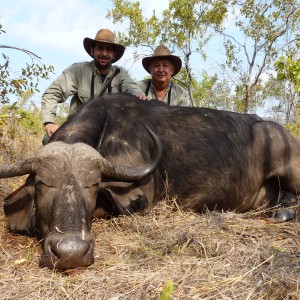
[{"x": 209, "y": 256}]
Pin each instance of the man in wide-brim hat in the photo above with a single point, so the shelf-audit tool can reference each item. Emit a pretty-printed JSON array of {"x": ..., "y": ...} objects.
[
  {"x": 86, "y": 80},
  {"x": 106, "y": 37},
  {"x": 162, "y": 66}
]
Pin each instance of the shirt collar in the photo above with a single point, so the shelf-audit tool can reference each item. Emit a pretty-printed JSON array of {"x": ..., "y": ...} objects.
[{"x": 167, "y": 90}]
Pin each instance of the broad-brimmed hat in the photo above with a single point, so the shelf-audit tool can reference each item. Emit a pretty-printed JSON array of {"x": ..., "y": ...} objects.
[
  {"x": 104, "y": 36},
  {"x": 162, "y": 52}
]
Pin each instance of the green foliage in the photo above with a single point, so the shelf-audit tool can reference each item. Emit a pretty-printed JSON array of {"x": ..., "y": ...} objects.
[
  {"x": 282, "y": 96},
  {"x": 203, "y": 90},
  {"x": 167, "y": 290},
  {"x": 62, "y": 113},
  {"x": 21, "y": 128},
  {"x": 1, "y": 30},
  {"x": 294, "y": 128},
  {"x": 232, "y": 61},
  {"x": 183, "y": 27},
  {"x": 141, "y": 30},
  {"x": 183, "y": 22},
  {"x": 20, "y": 114},
  {"x": 288, "y": 69},
  {"x": 187, "y": 20},
  {"x": 262, "y": 31},
  {"x": 27, "y": 79}
]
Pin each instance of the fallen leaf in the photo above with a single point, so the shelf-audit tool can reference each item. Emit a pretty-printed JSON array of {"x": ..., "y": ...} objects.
[{"x": 20, "y": 261}]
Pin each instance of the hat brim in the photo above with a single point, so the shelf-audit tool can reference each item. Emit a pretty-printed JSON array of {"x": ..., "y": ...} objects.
[
  {"x": 119, "y": 49},
  {"x": 146, "y": 61}
]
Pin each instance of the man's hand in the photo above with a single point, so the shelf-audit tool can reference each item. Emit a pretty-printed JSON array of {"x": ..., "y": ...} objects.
[
  {"x": 51, "y": 128},
  {"x": 142, "y": 96}
]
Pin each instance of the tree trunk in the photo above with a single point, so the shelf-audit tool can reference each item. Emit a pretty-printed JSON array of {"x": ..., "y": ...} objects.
[{"x": 247, "y": 98}]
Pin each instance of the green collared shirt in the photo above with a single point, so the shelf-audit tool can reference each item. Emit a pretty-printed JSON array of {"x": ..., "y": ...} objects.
[
  {"x": 175, "y": 94},
  {"x": 75, "y": 82}
]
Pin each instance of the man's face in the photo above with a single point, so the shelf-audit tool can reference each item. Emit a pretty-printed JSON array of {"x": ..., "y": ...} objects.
[
  {"x": 161, "y": 70},
  {"x": 103, "y": 55}
]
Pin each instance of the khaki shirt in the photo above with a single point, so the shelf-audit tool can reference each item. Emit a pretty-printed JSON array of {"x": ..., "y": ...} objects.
[
  {"x": 75, "y": 82},
  {"x": 178, "y": 95}
]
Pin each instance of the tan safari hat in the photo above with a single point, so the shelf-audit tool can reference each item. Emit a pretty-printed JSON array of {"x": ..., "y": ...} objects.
[
  {"x": 162, "y": 52},
  {"x": 104, "y": 36}
]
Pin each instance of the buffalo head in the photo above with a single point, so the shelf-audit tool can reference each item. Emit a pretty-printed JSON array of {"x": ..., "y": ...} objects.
[{"x": 59, "y": 198}]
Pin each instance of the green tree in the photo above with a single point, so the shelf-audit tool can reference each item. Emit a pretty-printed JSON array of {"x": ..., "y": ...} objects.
[
  {"x": 20, "y": 127},
  {"x": 183, "y": 27},
  {"x": 288, "y": 72},
  {"x": 26, "y": 79},
  {"x": 262, "y": 30},
  {"x": 207, "y": 92},
  {"x": 289, "y": 69}
]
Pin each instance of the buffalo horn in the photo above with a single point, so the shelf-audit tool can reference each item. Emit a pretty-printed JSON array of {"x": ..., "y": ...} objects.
[
  {"x": 17, "y": 169},
  {"x": 134, "y": 173}
]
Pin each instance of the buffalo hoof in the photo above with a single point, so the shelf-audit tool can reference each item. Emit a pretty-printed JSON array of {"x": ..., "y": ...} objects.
[{"x": 285, "y": 214}]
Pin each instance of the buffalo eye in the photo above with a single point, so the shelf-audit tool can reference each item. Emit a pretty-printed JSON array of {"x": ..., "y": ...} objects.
[
  {"x": 92, "y": 185},
  {"x": 40, "y": 182}
]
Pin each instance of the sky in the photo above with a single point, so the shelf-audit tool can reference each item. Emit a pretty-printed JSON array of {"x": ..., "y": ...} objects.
[{"x": 54, "y": 30}]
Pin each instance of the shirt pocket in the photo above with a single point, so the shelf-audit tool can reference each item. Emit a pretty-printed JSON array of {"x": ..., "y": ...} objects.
[
  {"x": 84, "y": 94},
  {"x": 115, "y": 86}
]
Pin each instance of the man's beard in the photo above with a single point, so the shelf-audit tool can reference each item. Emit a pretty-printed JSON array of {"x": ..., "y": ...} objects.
[{"x": 102, "y": 67}]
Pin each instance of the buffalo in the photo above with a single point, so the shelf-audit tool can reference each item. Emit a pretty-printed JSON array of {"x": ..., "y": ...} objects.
[{"x": 120, "y": 155}]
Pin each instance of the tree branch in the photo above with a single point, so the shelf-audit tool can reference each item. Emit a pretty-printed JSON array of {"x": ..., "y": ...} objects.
[
  {"x": 29, "y": 53},
  {"x": 3, "y": 65}
]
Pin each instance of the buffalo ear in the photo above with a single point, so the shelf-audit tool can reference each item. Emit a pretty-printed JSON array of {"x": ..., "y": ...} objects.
[
  {"x": 19, "y": 210},
  {"x": 124, "y": 198}
]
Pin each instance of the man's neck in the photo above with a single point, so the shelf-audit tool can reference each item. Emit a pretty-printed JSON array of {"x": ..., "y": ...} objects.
[
  {"x": 103, "y": 71},
  {"x": 160, "y": 89},
  {"x": 160, "y": 86}
]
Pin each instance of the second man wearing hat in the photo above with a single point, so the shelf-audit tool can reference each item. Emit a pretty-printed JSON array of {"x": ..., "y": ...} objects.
[
  {"x": 82, "y": 81},
  {"x": 162, "y": 66}
]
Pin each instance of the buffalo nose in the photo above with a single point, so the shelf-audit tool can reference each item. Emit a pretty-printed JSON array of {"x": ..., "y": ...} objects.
[{"x": 68, "y": 250}]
